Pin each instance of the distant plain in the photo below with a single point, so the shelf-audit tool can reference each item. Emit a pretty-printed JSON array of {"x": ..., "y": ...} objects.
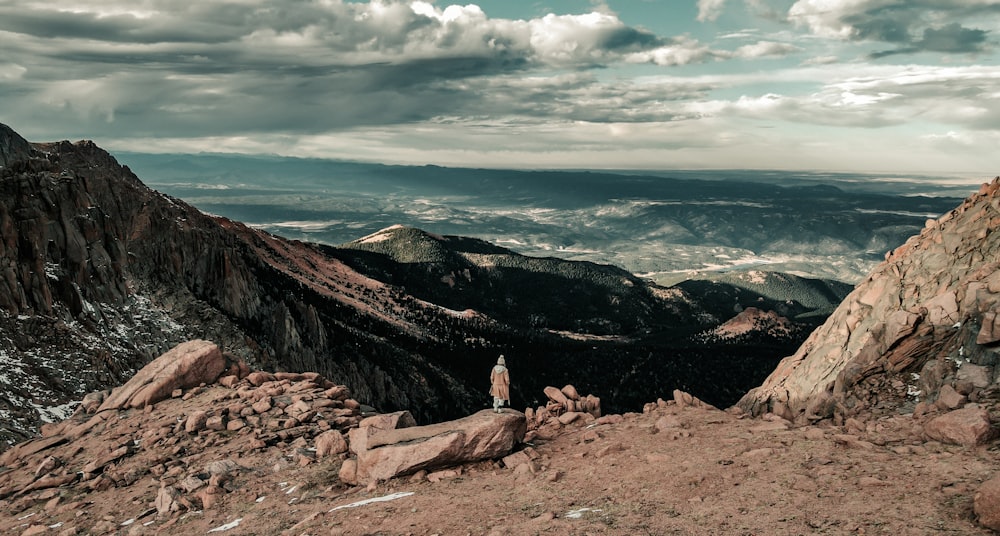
[{"x": 664, "y": 225}]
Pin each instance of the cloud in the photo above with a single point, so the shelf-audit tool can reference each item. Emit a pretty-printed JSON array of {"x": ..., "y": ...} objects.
[
  {"x": 953, "y": 38},
  {"x": 873, "y": 97},
  {"x": 324, "y": 33},
  {"x": 763, "y": 49},
  {"x": 709, "y": 10},
  {"x": 318, "y": 65},
  {"x": 912, "y": 26}
]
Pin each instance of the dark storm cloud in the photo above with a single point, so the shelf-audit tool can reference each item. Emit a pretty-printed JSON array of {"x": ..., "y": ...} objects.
[
  {"x": 170, "y": 68},
  {"x": 953, "y": 38},
  {"x": 912, "y": 25}
]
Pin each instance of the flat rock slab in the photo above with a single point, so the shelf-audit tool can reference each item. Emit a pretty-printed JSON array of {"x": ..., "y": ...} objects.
[{"x": 480, "y": 436}]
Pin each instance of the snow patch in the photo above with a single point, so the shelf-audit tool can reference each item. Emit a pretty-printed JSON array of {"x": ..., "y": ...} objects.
[
  {"x": 385, "y": 498},
  {"x": 231, "y": 525}
]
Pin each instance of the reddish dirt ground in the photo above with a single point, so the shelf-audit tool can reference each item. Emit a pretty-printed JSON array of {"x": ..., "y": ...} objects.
[{"x": 672, "y": 470}]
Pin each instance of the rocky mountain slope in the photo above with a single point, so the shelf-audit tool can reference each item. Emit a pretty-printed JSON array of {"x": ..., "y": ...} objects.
[
  {"x": 923, "y": 327},
  {"x": 99, "y": 274},
  {"x": 893, "y": 397}
]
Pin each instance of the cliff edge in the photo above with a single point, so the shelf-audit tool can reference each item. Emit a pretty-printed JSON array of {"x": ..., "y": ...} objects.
[{"x": 923, "y": 323}]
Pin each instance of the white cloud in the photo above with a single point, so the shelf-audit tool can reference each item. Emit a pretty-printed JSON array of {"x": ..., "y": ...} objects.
[
  {"x": 11, "y": 71},
  {"x": 762, "y": 49},
  {"x": 683, "y": 51},
  {"x": 709, "y": 10}
]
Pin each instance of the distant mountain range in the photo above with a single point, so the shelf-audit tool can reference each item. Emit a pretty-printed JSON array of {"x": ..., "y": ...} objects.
[
  {"x": 101, "y": 273},
  {"x": 667, "y": 227}
]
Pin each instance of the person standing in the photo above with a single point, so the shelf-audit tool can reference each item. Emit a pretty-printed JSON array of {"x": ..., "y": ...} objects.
[{"x": 500, "y": 380}]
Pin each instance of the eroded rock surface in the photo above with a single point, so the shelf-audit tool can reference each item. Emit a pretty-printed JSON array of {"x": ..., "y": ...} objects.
[
  {"x": 910, "y": 328},
  {"x": 185, "y": 366}
]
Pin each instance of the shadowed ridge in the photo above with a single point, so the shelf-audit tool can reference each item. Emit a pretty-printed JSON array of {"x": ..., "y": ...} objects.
[{"x": 13, "y": 148}]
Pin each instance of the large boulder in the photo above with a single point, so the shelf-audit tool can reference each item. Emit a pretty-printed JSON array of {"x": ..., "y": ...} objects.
[
  {"x": 966, "y": 426},
  {"x": 986, "y": 504},
  {"x": 186, "y": 365},
  {"x": 387, "y": 453}
]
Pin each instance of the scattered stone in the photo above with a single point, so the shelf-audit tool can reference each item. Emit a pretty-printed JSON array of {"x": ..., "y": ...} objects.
[
  {"x": 259, "y": 377},
  {"x": 167, "y": 501},
  {"x": 516, "y": 458},
  {"x": 348, "y": 473},
  {"x": 33, "y": 530},
  {"x": 986, "y": 504},
  {"x": 610, "y": 419},
  {"x": 556, "y": 395},
  {"x": 262, "y": 406},
  {"x": 569, "y": 417},
  {"x": 216, "y": 422},
  {"x": 330, "y": 443},
  {"x": 966, "y": 426},
  {"x": 570, "y": 392},
  {"x": 229, "y": 381},
  {"x": 446, "y": 474},
  {"x": 667, "y": 422},
  {"x": 949, "y": 399},
  {"x": 196, "y": 421}
]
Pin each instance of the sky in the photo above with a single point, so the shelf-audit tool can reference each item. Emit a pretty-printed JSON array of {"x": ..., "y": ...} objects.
[{"x": 892, "y": 86}]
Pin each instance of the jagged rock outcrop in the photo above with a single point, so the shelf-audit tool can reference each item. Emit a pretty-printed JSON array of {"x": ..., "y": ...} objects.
[
  {"x": 923, "y": 319},
  {"x": 187, "y": 365},
  {"x": 13, "y": 148},
  {"x": 753, "y": 321},
  {"x": 564, "y": 407}
]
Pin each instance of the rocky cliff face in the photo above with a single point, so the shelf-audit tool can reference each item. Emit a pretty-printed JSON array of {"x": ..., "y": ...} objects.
[
  {"x": 923, "y": 326},
  {"x": 98, "y": 274}
]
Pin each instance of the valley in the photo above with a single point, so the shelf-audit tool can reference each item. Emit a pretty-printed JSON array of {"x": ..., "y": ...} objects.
[{"x": 667, "y": 226}]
